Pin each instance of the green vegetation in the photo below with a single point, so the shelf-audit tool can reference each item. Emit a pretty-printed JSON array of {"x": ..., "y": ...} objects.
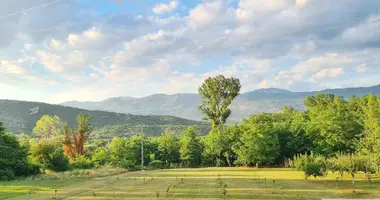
[{"x": 186, "y": 184}]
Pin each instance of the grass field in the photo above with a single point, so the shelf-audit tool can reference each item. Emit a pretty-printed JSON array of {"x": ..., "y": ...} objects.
[{"x": 186, "y": 184}]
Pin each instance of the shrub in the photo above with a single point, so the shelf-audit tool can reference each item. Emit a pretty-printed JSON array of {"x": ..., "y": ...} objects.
[
  {"x": 100, "y": 157},
  {"x": 156, "y": 164},
  {"x": 6, "y": 175},
  {"x": 81, "y": 162}
]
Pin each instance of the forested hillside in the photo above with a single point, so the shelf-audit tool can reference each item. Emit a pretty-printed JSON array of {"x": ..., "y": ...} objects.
[
  {"x": 246, "y": 104},
  {"x": 21, "y": 116}
]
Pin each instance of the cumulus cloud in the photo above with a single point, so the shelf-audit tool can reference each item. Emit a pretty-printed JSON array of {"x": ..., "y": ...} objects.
[
  {"x": 165, "y": 8},
  {"x": 328, "y": 73}
]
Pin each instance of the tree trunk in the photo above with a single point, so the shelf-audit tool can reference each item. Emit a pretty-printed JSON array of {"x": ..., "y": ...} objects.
[{"x": 353, "y": 178}]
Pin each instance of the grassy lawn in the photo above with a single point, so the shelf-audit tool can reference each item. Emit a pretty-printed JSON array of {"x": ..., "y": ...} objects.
[{"x": 203, "y": 183}]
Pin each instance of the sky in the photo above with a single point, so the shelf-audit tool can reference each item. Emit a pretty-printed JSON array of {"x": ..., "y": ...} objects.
[{"x": 89, "y": 50}]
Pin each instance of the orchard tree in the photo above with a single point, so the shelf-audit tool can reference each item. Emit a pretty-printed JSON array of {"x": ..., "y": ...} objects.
[
  {"x": 48, "y": 126},
  {"x": 216, "y": 95},
  {"x": 190, "y": 147}
]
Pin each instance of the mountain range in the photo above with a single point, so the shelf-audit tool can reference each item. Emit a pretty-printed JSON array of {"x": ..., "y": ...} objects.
[{"x": 184, "y": 105}]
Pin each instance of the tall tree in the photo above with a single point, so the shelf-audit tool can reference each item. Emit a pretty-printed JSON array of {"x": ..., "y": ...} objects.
[
  {"x": 75, "y": 139},
  {"x": 217, "y": 94},
  {"x": 48, "y": 126},
  {"x": 190, "y": 147}
]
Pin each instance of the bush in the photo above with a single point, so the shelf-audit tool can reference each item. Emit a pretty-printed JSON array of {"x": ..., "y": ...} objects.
[
  {"x": 81, "y": 162},
  {"x": 100, "y": 157},
  {"x": 156, "y": 164},
  {"x": 6, "y": 175}
]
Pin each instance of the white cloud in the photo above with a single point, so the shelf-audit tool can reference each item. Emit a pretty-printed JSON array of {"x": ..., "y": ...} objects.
[
  {"x": 50, "y": 61},
  {"x": 361, "y": 68},
  {"x": 328, "y": 73},
  {"x": 302, "y": 2},
  {"x": 165, "y": 8}
]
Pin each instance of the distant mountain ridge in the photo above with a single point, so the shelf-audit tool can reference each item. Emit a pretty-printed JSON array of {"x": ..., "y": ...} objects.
[{"x": 184, "y": 105}]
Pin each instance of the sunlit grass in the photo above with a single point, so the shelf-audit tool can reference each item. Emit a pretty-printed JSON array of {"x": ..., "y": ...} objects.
[{"x": 202, "y": 183}]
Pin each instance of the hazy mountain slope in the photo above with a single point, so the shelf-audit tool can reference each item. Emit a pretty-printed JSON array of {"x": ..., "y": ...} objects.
[
  {"x": 21, "y": 116},
  {"x": 184, "y": 105}
]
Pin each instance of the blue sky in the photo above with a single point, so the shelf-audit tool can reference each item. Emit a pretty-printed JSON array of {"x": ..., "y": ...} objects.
[{"x": 90, "y": 50}]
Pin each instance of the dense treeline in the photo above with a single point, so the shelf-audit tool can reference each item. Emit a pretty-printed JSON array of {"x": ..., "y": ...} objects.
[{"x": 331, "y": 128}]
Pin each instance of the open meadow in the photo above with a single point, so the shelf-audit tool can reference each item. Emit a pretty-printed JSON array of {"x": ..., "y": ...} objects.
[{"x": 202, "y": 183}]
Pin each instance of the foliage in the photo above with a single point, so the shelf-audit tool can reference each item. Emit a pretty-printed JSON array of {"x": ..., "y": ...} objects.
[
  {"x": 190, "y": 148},
  {"x": 332, "y": 123},
  {"x": 48, "y": 126},
  {"x": 76, "y": 138},
  {"x": 13, "y": 157},
  {"x": 100, "y": 157},
  {"x": 258, "y": 143},
  {"x": 168, "y": 148},
  {"x": 216, "y": 95},
  {"x": 81, "y": 162},
  {"x": 157, "y": 164},
  {"x": 49, "y": 154}
]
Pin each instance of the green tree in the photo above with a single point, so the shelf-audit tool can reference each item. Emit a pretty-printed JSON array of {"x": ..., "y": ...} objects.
[
  {"x": 49, "y": 154},
  {"x": 13, "y": 157},
  {"x": 134, "y": 144},
  {"x": 368, "y": 111},
  {"x": 333, "y": 124},
  {"x": 258, "y": 143},
  {"x": 121, "y": 155},
  {"x": 168, "y": 148},
  {"x": 190, "y": 147},
  {"x": 212, "y": 148},
  {"x": 216, "y": 95},
  {"x": 48, "y": 126}
]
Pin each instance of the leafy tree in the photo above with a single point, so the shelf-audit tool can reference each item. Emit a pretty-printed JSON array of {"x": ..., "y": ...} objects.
[
  {"x": 49, "y": 154},
  {"x": 190, "y": 147},
  {"x": 74, "y": 140},
  {"x": 121, "y": 155},
  {"x": 212, "y": 148},
  {"x": 48, "y": 126},
  {"x": 168, "y": 148},
  {"x": 217, "y": 94},
  {"x": 13, "y": 157},
  {"x": 134, "y": 144},
  {"x": 258, "y": 143},
  {"x": 368, "y": 110},
  {"x": 333, "y": 124}
]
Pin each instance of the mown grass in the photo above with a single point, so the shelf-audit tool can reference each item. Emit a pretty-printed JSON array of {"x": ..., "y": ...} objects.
[{"x": 203, "y": 183}]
